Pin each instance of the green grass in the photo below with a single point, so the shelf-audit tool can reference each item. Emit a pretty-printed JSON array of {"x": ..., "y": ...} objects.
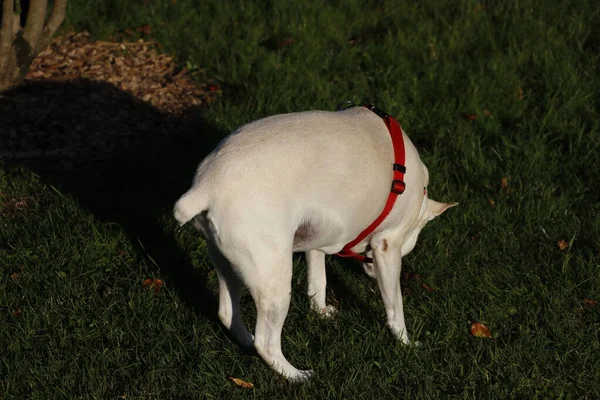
[{"x": 87, "y": 329}]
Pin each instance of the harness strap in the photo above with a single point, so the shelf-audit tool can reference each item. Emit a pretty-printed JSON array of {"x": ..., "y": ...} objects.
[{"x": 398, "y": 185}]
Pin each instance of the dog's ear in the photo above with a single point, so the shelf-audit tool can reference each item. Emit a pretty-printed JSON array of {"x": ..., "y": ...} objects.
[{"x": 435, "y": 208}]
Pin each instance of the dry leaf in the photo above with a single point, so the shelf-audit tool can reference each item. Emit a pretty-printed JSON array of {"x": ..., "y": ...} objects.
[
  {"x": 153, "y": 283},
  {"x": 285, "y": 43},
  {"x": 504, "y": 183},
  {"x": 480, "y": 330},
  {"x": 478, "y": 7},
  {"x": 492, "y": 203},
  {"x": 432, "y": 49},
  {"x": 488, "y": 113},
  {"x": 470, "y": 117},
  {"x": 562, "y": 245},
  {"x": 17, "y": 312},
  {"x": 520, "y": 94},
  {"x": 241, "y": 383},
  {"x": 145, "y": 29},
  {"x": 428, "y": 288},
  {"x": 147, "y": 282},
  {"x": 590, "y": 303},
  {"x": 410, "y": 277},
  {"x": 14, "y": 276},
  {"x": 12, "y": 206}
]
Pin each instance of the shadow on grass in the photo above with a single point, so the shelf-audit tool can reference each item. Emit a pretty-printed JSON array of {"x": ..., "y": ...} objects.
[
  {"x": 125, "y": 162},
  {"x": 122, "y": 160}
]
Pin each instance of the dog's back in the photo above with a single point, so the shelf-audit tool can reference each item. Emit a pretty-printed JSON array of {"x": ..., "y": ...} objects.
[{"x": 297, "y": 155}]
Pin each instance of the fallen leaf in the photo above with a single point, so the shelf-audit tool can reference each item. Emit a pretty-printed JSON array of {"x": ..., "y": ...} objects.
[
  {"x": 432, "y": 49},
  {"x": 504, "y": 183},
  {"x": 562, "y": 245},
  {"x": 12, "y": 206},
  {"x": 488, "y": 113},
  {"x": 241, "y": 383},
  {"x": 17, "y": 312},
  {"x": 145, "y": 29},
  {"x": 410, "y": 277},
  {"x": 479, "y": 7},
  {"x": 590, "y": 303},
  {"x": 285, "y": 43},
  {"x": 520, "y": 94},
  {"x": 492, "y": 203},
  {"x": 213, "y": 88},
  {"x": 153, "y": 283},
  {"x": 480, "y": 330},
  {"x": 14, "y": 276},
  {"x": 428, "y": 288},
  {"x": 470, "y": 117}
]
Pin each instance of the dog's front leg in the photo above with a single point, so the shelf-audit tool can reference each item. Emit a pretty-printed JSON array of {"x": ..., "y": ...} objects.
[
  {"x": 387, "y": 265},
  {"x": 317, "y": 283}
]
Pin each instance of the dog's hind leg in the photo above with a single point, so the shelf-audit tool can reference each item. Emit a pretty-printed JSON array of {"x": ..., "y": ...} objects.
[
  {"x": 387, "y": 265},
  {"x": 230, "y": 291},
  {"x": 271, "y": 288},
  {"x": 317, "y": 283}
]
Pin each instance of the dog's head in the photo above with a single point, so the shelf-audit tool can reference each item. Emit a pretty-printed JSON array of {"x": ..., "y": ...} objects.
[{"x": 429, "y": 210}]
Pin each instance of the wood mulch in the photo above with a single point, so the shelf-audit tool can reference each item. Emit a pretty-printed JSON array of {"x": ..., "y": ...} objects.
[{"x": 84, "y": 98}]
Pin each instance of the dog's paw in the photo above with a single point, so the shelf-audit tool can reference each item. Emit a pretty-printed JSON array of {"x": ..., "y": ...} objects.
[
  {"x": 301, "y": 376},
  {"x": 327, "y": 311},
  {"x": 400, "y": 335}
]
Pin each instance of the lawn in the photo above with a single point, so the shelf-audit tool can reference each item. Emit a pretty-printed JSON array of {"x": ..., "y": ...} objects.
[{"x": 502, "y": 99}]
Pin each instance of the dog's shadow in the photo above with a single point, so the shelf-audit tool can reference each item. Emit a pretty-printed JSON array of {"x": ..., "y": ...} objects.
[{"x": 125, "y": 162}]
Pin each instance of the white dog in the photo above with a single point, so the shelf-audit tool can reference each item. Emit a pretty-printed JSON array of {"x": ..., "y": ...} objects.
[{"x": 313, "y": 182}]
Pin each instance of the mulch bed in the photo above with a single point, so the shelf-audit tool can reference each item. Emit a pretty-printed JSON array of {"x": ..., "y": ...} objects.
[{"x": 85, "y": 98}]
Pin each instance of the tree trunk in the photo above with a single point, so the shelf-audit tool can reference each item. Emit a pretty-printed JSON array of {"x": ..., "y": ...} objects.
[{"x": 21, "y": 43}]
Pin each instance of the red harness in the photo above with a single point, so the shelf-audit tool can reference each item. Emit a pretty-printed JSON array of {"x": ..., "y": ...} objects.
[{"x": 397, "y": 188}]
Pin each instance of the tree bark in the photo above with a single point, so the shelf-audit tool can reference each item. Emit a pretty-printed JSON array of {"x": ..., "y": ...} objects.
[
  {"x": 53, "y": 23},
  {"x": 6, "y": 36},
  {"x": 35, "y": 22},
  {"x": 19, "y": 45}
]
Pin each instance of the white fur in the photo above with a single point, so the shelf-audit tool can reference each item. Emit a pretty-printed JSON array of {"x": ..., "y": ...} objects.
[{"x": 311, "y": 182}]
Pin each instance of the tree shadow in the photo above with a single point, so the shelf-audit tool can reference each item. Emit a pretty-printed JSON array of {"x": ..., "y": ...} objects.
[
  {"x": 122, "y": 159},
  {"x": 125, "y": 162}
]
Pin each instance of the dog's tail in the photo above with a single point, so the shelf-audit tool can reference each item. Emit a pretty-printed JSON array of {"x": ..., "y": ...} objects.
[{"x": 190, "y": 204}]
